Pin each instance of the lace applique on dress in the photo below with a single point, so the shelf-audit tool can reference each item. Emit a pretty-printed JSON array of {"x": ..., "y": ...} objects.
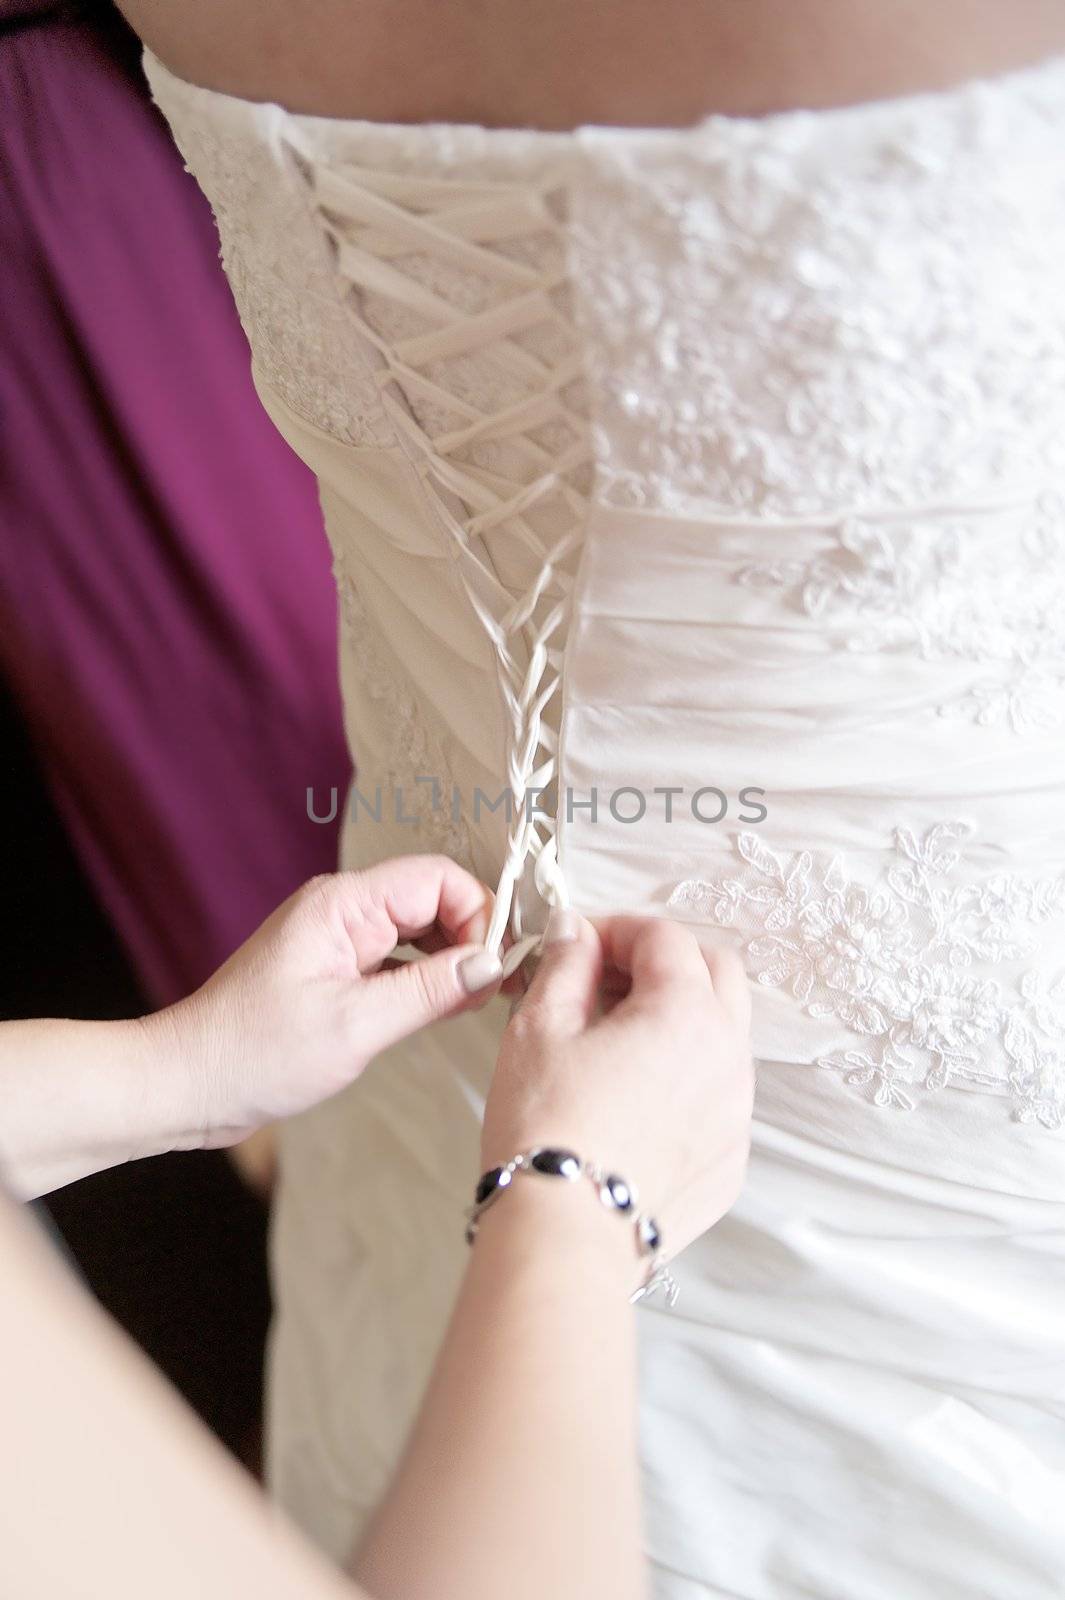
[
  {"x": 413, "y": 753},
  {"x": 280, "y": 276},
  {"x": 755, "y": 294},
  {"x": 904, "y": 964},
  {"x": 939, "y": 589}
]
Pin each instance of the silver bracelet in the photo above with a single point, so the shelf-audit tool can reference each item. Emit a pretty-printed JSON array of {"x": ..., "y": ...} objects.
[{"x": 614, "y": 1192}]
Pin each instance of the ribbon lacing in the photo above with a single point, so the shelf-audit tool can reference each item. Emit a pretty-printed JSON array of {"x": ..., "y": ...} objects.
[{"x": 527, "y": 633}]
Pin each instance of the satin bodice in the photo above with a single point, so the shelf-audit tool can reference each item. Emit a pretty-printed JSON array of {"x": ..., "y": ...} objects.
[{"x": 695, "y": 494}]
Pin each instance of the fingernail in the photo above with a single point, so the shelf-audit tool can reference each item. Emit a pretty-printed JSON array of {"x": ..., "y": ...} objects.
[
  {"x": 479, "y": 970},
  {"x": 562, "y": 925}
]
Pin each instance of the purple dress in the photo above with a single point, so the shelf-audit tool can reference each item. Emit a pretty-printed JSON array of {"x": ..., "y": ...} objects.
[{"x": 167, "y": 613}]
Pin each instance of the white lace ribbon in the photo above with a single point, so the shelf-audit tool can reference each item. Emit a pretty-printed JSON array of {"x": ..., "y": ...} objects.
[{"x": 527, "y": 631}]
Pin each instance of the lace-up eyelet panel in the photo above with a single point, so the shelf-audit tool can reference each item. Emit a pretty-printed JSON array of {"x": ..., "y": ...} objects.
[{"x": 458, "y": 290}]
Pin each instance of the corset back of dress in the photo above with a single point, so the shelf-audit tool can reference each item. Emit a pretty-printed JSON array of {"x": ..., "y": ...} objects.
[
  {"x": 695, "y": 493},
  {"x": 789, "y": 396}
]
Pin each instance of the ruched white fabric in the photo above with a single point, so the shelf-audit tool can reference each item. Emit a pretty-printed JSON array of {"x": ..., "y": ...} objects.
[{"x": 695, "y": 503}]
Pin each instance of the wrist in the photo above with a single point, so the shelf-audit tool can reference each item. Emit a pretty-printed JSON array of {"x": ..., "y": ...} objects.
[
  {"x": 173, "y": 1109},
  {"x": 562, "y": 1228},
  {"x": 154, "y": 1077}
]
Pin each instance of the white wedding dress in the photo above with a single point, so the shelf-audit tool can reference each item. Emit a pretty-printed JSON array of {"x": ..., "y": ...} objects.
[{"x": 710, "y": 459}]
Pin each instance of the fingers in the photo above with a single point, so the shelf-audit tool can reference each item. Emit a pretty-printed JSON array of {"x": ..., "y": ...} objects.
[
  {"x": 428, "y": 898},
  {"x": 563, "y": 995},
  {"x": 731, "y": 984},
  {"x": 421, "y": 892},
  {"x": 408, "y": 995},
  {"x": 657, "y": 955},
  {"x": 437, "y": 902}
]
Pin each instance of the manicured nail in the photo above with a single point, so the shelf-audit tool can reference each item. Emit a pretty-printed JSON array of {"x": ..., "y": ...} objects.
[
  {"x": 479, "y": 970},
  {"x": 562, "y": 925}
]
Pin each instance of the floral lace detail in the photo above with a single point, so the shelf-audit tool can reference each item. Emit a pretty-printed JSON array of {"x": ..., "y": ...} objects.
[
  {"x": 938, "y": 588},
  {"x": 279, "y": 272},
  {"x": 413, "y": 753},
  {"x": 756, "y": 295},
  {"x": 896, "y": 963}
]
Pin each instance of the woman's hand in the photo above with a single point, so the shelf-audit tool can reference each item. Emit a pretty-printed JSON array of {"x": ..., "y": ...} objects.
[
  {"x": 302, "y": 1007},
  {"x": 631, "y": 1048},
  {"x": 290, "y": 1019}
]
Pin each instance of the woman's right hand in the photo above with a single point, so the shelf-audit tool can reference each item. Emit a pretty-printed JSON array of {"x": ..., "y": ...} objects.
[{"x": 656, "y": 1085}]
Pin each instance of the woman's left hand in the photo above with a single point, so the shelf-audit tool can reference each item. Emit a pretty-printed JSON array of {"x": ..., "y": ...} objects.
[{"x": 301, "y": 1008}]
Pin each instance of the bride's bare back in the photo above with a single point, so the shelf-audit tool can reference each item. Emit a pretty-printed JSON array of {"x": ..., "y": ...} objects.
[{"x": 559, "y": 63}]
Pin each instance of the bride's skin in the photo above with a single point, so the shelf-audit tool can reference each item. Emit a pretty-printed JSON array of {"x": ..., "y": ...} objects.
[{"x": 558, "y": 63}]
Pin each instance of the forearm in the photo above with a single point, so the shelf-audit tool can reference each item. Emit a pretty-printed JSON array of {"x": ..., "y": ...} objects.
[
  {"x": 520, "y": 1477},
  {"x": 520, "y": 1480},
  {"x": 76, "y": 1097},
  {"x": 108, "y": 1484}
]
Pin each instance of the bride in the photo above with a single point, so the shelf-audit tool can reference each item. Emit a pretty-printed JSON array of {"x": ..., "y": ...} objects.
[{"x": 686, "y": 390}]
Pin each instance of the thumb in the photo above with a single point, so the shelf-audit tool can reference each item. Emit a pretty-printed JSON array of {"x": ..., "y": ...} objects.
[
  {"x": 564, "y": 992},
  {"x": 393, "y": 1004}
]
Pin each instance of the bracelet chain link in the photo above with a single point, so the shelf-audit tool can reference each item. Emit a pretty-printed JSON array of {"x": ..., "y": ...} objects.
[{"x": 615, "y": 1193}]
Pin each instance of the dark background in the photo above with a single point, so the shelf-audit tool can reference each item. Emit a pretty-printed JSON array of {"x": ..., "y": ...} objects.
[{"x": 175, "y": 1247}]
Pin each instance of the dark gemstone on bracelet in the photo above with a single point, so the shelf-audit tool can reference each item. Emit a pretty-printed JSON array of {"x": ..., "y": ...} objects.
[
  {"x": 649, "y": 1236},
  {"x": 497, "y": 1178},
  {"x": 614, "y": 1191},
  {"x": 557, "y": 1163}
]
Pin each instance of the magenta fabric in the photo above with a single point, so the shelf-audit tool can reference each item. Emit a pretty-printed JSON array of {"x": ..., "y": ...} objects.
[{"x": 167, "y": 613}]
